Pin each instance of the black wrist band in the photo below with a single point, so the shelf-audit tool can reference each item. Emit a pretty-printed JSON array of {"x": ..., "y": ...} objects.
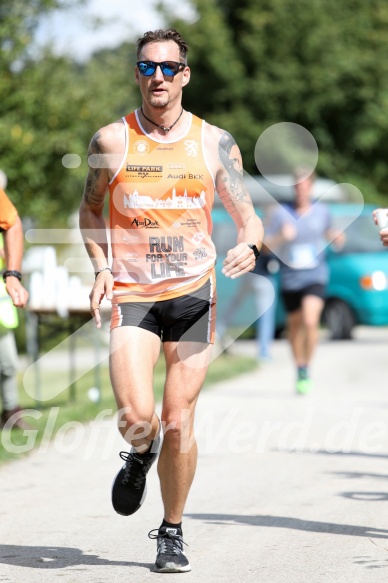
[
  {"x": 101, "y": 270},
  {"x": 255, "y": 251},
  {"x": 12, "y": 273}
]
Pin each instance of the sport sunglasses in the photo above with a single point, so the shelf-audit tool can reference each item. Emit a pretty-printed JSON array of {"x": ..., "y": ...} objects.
[{"x": 168, "y": 68}]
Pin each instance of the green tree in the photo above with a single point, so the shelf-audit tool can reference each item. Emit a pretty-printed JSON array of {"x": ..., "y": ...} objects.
[
  {"x": 18, "y": 20},
  {"x": 318, "y": 63},
  {"x": 31, "y": 98},
  {"x": 321, "y": 64},
  {"x": 51, "y": 107}
]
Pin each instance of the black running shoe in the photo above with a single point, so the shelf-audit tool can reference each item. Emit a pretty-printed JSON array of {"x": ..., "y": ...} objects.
[
  {"x": 129, "y": 487},
  {"x": 170, "y": 557}
]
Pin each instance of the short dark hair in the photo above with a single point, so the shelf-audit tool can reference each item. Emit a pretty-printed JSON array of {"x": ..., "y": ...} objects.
[{"x": 157, "y": 36}]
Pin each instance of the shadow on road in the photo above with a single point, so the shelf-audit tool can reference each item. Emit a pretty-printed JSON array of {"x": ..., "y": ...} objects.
[
  {"x": 382, "y": 456},
  {"x": 57, "y": 558},
  {"x": 294, "y": 524},
  {"x": 366, "y": 496}
]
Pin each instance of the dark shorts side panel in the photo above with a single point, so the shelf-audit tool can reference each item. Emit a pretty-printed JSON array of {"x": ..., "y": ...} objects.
[{"x": 293, "y": 299}]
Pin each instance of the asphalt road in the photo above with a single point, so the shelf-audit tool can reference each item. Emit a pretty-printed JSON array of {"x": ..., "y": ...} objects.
[{"x": 288, "y": 488}]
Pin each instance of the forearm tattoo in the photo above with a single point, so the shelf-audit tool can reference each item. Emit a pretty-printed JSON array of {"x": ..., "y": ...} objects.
[
  {"x": 235, "y": 191},
  {"x": 91, "y": 195}
]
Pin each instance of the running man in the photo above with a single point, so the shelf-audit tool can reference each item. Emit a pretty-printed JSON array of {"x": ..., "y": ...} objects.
[
  {"x": 298, "y": 234},
  {"x": 161, "y": 166}
]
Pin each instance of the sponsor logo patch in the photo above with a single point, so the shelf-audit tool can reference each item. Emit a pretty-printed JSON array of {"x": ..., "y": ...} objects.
[{"x": 141, "y": 147}]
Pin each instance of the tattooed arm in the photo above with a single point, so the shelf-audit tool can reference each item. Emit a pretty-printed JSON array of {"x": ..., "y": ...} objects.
[
  {"x": 92, "y": 223},
  {"x": 237, "y": 201}
]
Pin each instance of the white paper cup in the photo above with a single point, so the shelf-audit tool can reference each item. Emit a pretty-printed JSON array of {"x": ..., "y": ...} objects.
[{"x": 382, "y": 218}]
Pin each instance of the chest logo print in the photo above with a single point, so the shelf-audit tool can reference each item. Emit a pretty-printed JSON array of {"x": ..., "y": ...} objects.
[
  {"x": 141, "y": 147},
  {"x": 191, "y": 147}
]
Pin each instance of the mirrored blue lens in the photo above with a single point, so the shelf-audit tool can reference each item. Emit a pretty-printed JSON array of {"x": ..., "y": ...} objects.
[
  {"x": 147, "y": 69},
  {"x": 168, "y": 68}
]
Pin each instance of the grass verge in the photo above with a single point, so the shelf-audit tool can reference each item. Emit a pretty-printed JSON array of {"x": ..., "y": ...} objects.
[{"x": 61, "y": 411}]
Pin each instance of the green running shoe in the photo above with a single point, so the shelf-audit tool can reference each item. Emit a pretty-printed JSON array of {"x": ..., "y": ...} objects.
[
  {"x": 304, "y": 383},
  {"x": 303, "y": 386}
]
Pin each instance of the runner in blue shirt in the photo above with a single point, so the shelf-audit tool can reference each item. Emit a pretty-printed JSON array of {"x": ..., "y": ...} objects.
[{"x": 298, "y": 234}]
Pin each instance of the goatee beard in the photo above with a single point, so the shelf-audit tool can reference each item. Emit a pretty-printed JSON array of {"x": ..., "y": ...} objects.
[{"x": 158, "y": 104}]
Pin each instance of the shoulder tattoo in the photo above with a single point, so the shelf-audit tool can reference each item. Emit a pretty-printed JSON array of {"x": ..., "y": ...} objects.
[{"x": 91, "y": 197}]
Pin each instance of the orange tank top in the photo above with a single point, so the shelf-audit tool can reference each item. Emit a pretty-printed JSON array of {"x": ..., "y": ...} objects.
[
  {"x": 8, "y": 213},
  {"x": 161, "y": 199}
]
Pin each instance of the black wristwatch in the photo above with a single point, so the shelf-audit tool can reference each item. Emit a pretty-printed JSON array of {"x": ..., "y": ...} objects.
[
  {"x": 13, "y": 273},
  {"x": 255, "y": 251}
]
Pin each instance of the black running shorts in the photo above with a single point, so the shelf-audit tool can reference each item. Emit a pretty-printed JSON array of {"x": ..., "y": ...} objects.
[
  {"x": 293, "y": 299},
  {"x": 190, "y": 317}
]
